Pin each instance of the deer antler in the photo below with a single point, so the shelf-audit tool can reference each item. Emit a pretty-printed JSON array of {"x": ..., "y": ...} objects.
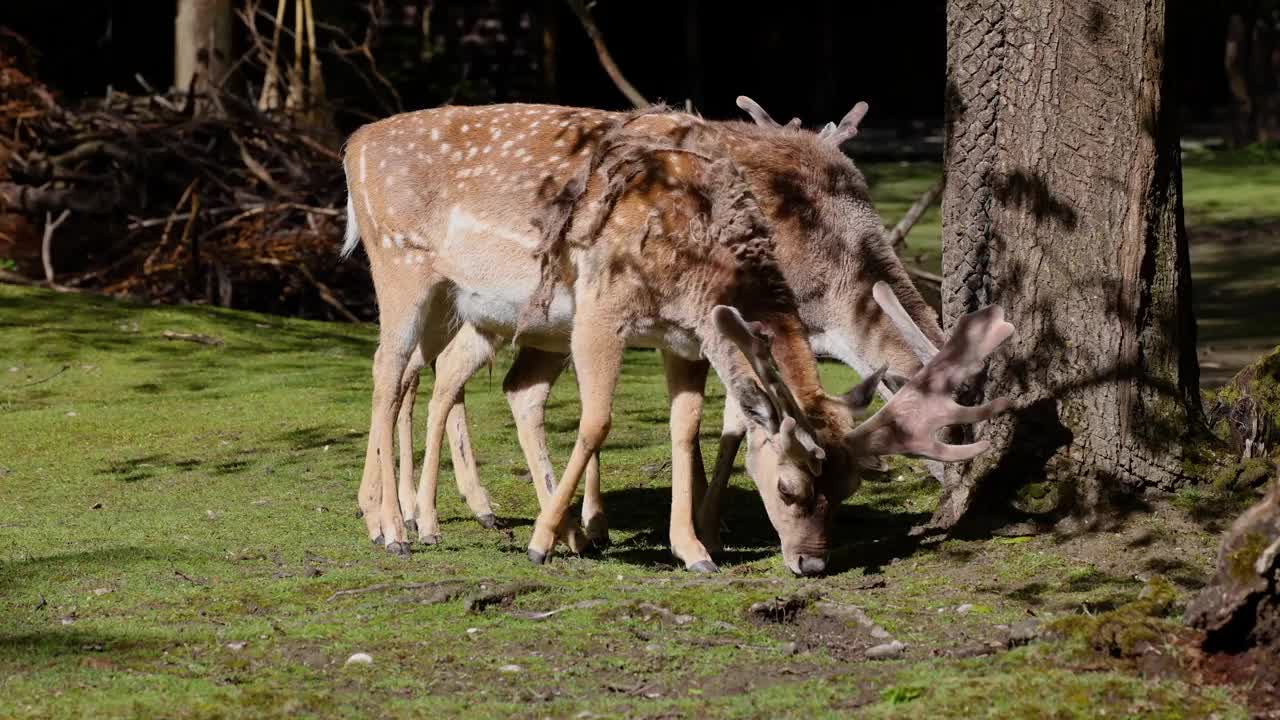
[
  {"x": 762, "y": 118},
  {"x": 848, "y": 127},
  {"x": 915, "y": 337},
  {"x": 796, "y": 436},
  {"x": 908, "y": 423}
]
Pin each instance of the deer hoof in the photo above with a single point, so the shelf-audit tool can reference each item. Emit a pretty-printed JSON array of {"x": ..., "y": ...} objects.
[
  {"x": 537, "y": 558},
  {"x": 400, "y": 549},
  {"x": 488, "y": 521},
  {"x": 411, "y": 525},
  {"x": 429, "y": 539},
  {"x": 379, "y": 541},
  {"x": 704, "y": 566},
  {"x": 598, "y": 531},
  {"x": 359, "y": 513}
]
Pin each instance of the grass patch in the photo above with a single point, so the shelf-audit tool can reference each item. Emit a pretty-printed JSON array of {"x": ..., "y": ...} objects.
[{"x": 176, "y": 529}]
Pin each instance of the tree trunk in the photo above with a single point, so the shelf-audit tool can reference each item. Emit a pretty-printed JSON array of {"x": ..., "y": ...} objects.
[
  {"x": 1064, "y": 205},
  {"x": 202, "y": 48}
]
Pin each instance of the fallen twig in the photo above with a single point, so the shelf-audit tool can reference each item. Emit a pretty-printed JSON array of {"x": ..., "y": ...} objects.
[
  {"x": 191, "y": 337},
  {"x": 501, "y": 594},
  {"x": 61, "y": 370},
  {"x": 456, "y": 587}
]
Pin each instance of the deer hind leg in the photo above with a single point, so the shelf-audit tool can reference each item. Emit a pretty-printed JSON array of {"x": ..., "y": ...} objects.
[
  {"x": 686, "y": 383},
  {"x": 404, "y": 437},
  {"x": 398, "y": 334},
  {"x": 465, "y": 471},
  {"x": 467, "y": 352},
  {"x": 527, "y": 386},
  {"x": 597, "y": 356},
  {"x": 731, "y": 434}
]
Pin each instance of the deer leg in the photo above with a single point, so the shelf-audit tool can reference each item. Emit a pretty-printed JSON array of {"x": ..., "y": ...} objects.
[
  {"x": 396, "y": 342},
  {"x": 527, "y": 387},
  {"x": 686, "y": 383},
  {"x": 593, "y": 517},
  {"x": 466, "y": 353},
  {"x": 465, "y": 470},
  {"x": 404, "y": 437},
  {"x": 731, "y": 434},
  {"x": 597, "y": 356}
]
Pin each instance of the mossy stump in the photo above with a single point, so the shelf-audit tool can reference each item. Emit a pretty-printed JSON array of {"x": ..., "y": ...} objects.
[
  {"x": 1240, "y": 608},
  {"x": 1248, "y": 408}
]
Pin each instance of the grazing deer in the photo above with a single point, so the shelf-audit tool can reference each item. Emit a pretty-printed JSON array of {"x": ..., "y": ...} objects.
[
  {"x": 647, "y": 234},
  {"x": 830, "y": 250}
]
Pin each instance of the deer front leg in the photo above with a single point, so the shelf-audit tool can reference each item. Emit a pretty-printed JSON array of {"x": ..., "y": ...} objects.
[
  {"x": 593, "y": 517},
  {"x": 465, "y": 354},
  {"x": 527, "y": 387},
  {"x": 404, "y": 437},
  {"x": 686, "y": 383},
  {"x": 731, "y": 434},
  {"x": 597, "y": 356}
]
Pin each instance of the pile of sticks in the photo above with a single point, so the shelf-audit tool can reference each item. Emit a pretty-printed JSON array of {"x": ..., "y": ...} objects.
[{"x": 143, "y": 195}]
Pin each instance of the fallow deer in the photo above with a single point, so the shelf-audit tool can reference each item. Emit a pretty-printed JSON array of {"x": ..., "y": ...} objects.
[
  {"x": 648, "y": 235},
  {"x": 829, "y": 247}
]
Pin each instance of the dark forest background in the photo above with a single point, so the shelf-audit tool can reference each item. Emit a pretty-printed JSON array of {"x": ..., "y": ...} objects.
[{"x": 813, "y": 58}]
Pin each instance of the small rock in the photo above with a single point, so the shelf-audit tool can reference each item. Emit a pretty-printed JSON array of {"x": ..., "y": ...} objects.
[
  {"x": 259, "y": 502},
  {"x": 101, "y": 591},
  {"x": 886, "y": 651},
  {"x": 880, "y": 633},
  {"x": 72, "y": 413},
  {"x": 652, "y": 647},
  {"x": 964, "y": 609},
  {"x": 68, "y": 619},
  {"x": 683, "y": 619},
  {"x": 359, "y": 659},
  {"x": 790, "y": 648},
  {"x": 326, "y": 448},
  {"x": 238, "y": 645},
  {"x": 14, "y": 369},
  {"x": 96, "y": 506},
  {"x": 211, "y": 514},
  {"x": 312, "y": 572},
  {"x": 512, "y": 668},
  {"x": 1021, "y": 633},
  {"x": 472, "y": 633}
]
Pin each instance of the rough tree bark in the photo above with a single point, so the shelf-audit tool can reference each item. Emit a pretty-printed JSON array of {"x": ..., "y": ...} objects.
[
  {"x": 1063, "y": 203},
  {"x": 202, "y": 46}
]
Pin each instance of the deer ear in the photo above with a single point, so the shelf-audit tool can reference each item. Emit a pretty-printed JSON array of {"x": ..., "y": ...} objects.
[
  {"x": 871, "y": 462},
  {"x": 859, "y": 396}
]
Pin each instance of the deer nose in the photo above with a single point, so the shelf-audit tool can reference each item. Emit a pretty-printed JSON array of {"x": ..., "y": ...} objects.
[{"x": 811, "y": 565}]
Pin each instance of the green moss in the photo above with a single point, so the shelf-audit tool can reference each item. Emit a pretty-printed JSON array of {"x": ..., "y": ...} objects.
[
  {"x": 1241, "y": 560},
  {"x": 1127, "y": 630}
]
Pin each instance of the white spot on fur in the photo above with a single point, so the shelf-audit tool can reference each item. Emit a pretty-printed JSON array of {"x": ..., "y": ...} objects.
[
  {"x": 386, "y": 241},
  {"x": 456, "y": 156},
  {"x": 435, "y": 133}
]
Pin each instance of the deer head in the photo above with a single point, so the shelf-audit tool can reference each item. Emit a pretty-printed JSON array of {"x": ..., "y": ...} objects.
[{"x": 783, "y": 456}]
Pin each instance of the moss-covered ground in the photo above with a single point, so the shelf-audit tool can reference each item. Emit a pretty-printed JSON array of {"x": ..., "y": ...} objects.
[{"x": 177, "y": 539}]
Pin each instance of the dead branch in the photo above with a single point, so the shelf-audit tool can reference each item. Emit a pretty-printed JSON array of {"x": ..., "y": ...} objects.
[
  {"x": 606, "y": 60},
  {"x": 897, "y": 237},
  {"x": 46, "y": 244}
]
